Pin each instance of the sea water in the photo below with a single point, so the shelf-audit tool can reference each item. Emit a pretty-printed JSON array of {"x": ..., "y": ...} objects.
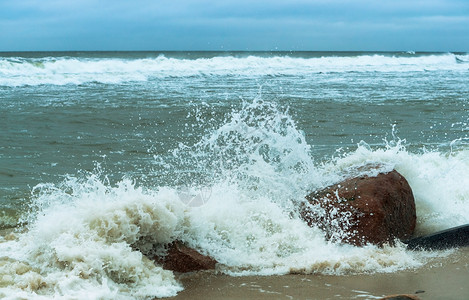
[{"x": 106, "y": 157}]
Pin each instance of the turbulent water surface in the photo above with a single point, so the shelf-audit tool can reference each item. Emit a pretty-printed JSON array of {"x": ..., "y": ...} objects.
[{"x": 105, "y": 157}]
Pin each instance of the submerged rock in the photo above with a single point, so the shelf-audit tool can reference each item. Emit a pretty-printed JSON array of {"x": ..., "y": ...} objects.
[
  {"x": 364, "y": 209},
  {"x": 183, "y": 259}
]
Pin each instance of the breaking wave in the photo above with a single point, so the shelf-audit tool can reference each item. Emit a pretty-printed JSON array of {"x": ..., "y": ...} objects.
[{"x": 21, "y": 71}]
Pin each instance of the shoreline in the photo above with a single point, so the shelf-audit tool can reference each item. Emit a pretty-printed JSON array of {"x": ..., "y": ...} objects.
[
  {"x": 441, "y": 278},
  {"x": 444, "y": 277}
]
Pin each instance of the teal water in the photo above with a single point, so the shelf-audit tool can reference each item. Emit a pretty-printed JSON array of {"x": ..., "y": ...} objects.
[
  {"x": 125, "y": 137},
  {"x": 66, "y": 112}
]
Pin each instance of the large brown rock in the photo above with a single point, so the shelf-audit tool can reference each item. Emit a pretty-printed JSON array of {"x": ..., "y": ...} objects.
[
  {"x": 181, "y": 258},
  {"x": 364, "y": 209}
]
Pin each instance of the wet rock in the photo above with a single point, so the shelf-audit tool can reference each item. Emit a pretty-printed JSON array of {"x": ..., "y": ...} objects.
[
  {"x": 183, "y": 259},
  {"x": 445, "y": 239},
  {"x": 364, "y": 209},
  {"x": 401, "y": 297}
]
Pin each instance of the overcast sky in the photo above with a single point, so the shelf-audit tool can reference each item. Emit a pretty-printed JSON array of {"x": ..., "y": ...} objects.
[{"x": 382, "y": 25}]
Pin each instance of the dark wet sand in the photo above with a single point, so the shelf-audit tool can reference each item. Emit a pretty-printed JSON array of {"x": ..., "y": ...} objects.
[{"x": 445, "y": 278}]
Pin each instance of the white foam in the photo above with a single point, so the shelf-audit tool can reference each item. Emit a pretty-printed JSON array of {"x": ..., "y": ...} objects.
[
  {"x": 84, "y": 242},
  {"x": 258, "y": 237},
  {"x": 21, "y": 71}
]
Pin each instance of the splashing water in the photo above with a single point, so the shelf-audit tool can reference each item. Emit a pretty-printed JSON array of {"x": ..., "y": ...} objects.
[
  {"x": 234, "y": 199},
  {"x": 84, "y": 240},
  {"x": 258, "y": 149}
]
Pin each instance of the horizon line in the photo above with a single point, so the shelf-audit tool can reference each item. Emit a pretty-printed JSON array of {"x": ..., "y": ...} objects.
[{"x": 228, "y": 51}]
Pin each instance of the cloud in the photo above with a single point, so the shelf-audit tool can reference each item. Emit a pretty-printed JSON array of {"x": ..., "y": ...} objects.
[{"x": 241, "y": 24}]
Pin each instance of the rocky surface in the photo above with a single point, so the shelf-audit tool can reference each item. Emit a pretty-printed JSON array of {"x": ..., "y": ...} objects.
[
  {"x": 183, "y": 259},
  {"x": 445, "y": 239},
  {"x": 364, "y": 209}
]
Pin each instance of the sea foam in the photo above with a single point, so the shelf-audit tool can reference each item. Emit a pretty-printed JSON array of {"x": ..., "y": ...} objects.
[
  {"x": 20, "y": 71},
  {"x": 88, "y": 239}
]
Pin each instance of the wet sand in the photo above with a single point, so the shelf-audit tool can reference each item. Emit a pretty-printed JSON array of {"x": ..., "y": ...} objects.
[{"x": 442, "y": 278}]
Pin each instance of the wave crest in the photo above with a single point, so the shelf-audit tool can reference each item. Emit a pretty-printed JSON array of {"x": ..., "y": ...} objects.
[{"x": 21, "y": 71}]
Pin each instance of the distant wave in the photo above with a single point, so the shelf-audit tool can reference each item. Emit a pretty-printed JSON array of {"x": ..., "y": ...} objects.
[
  {"x": 462, "y": 58},
  {"x": 20, "y": 71}
]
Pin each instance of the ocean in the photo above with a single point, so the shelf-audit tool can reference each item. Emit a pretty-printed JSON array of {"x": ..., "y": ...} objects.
[{"x": 106, "y": 157}]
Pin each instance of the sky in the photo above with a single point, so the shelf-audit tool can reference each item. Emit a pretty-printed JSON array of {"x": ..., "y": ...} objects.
[{"x": 289, "y": 25}]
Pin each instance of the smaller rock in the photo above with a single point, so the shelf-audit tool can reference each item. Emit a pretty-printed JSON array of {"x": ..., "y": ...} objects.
[
  {"x": 183, "y": 259},
  {"x": 401, "y": 297},
  {"x": 445, "y": 239}
]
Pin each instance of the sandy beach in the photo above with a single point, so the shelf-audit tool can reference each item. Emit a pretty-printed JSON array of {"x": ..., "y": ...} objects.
[{"x": 442, "y": 278}]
